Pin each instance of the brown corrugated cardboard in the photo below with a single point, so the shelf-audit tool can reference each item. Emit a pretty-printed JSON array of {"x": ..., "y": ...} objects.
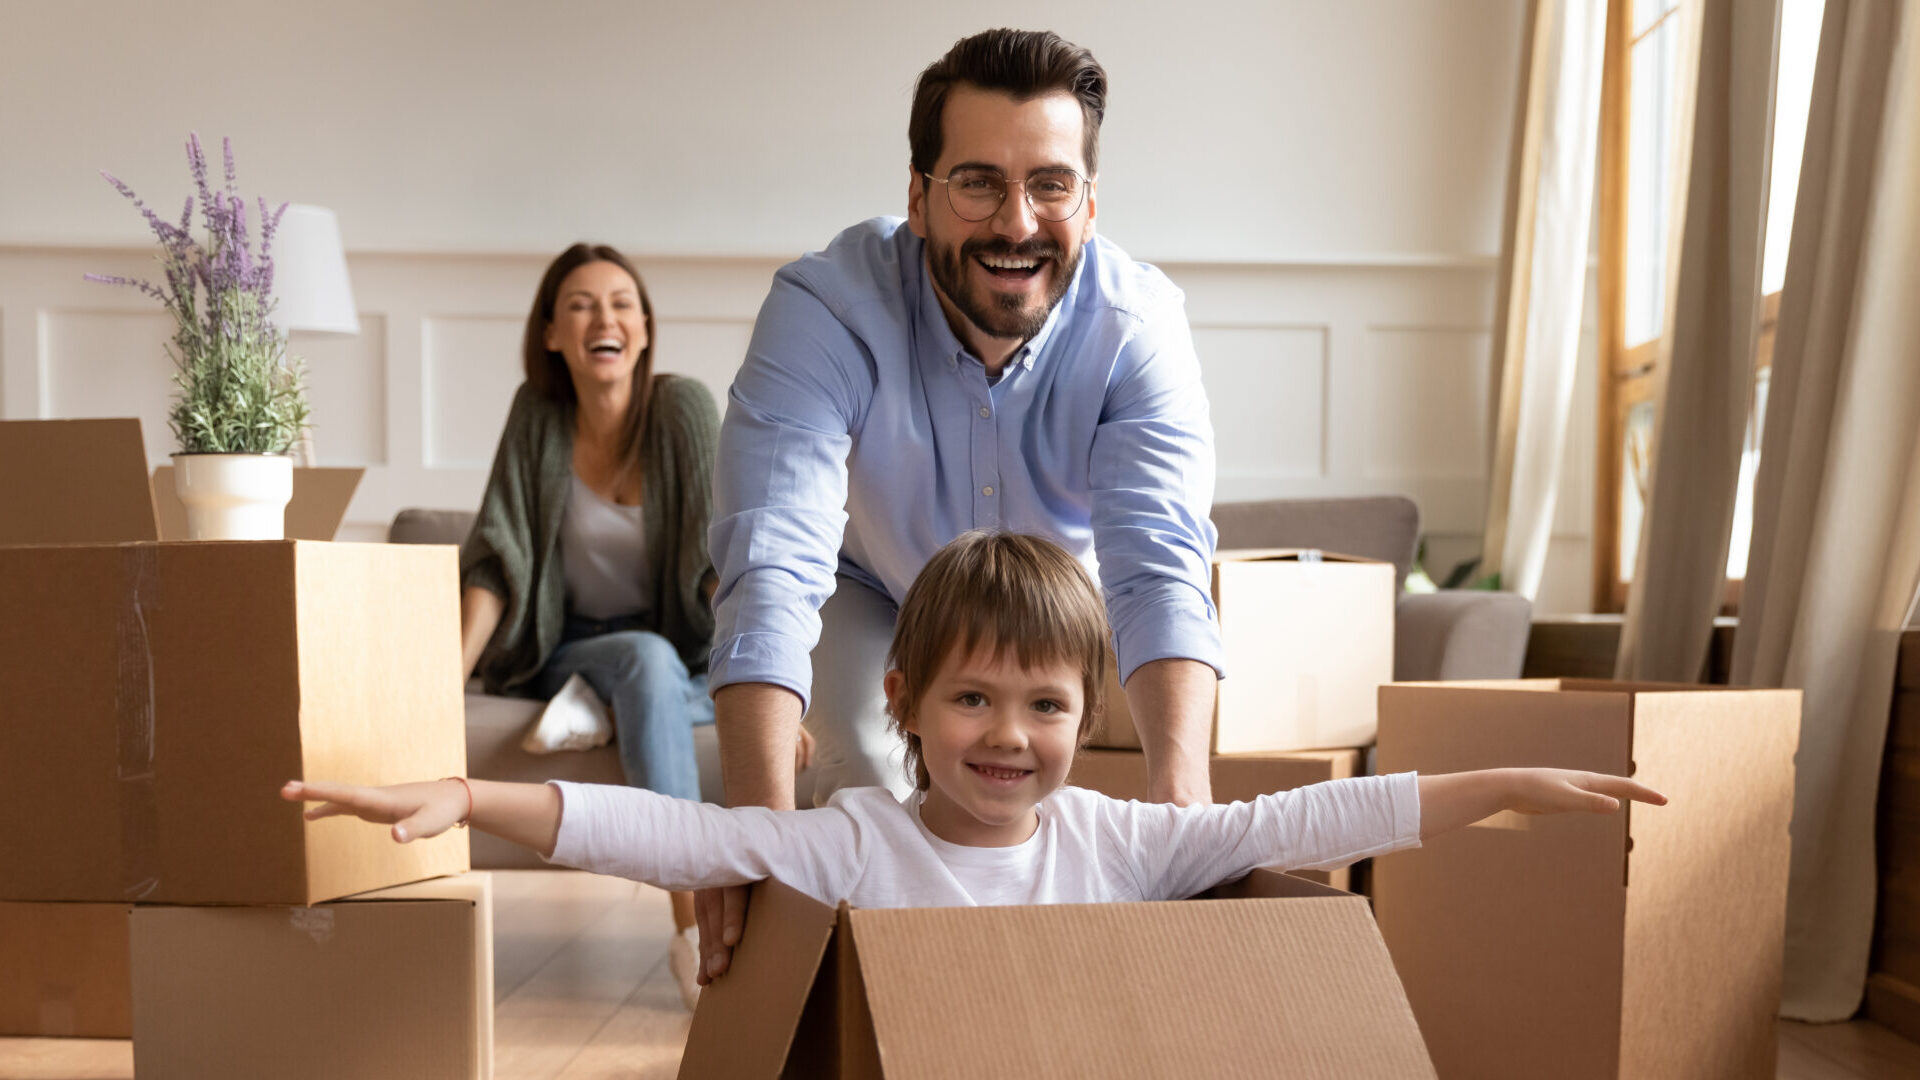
[
  {"x": 319, "y": 503},
  {"x": 1306, "y": 644},
  {"x": 1236, "y": 778},
  {"x": 156, "y": 696},
  {"x": 65, "y": 970},
  {"x": 73, "y": 481},
  {"x": 1110, "y": 990},
  {"x": 85, "y": 482},
  {"x": 1645, "y": 944},
  {"x": 396, "y": 983}
]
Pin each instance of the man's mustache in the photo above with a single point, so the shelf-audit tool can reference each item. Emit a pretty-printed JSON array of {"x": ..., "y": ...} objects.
[{"x": 1036, "y": 248}]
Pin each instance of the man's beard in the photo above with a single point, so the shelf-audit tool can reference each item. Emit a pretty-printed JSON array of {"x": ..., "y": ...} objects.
[{"x": 1001, "y": 315}]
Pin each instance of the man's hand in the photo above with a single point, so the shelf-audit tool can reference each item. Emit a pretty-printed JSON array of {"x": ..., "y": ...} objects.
[
  {"x": 722, "y": 916},
  {"x": 1172, "y": 706},
  {"x": 760, "y": 735}
]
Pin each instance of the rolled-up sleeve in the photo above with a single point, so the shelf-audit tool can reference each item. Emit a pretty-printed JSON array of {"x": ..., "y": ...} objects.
[
  {"x": 1152, "y": 476},
  {"x": 780, "y": 489}
]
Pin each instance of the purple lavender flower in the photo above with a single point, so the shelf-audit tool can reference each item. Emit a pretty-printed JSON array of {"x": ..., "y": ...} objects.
[{"x": 230, "y": 357}]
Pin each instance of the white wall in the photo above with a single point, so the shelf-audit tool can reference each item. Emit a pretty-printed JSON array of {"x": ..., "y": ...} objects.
[
  {"x": 1324, "y": 180},
  {"x": 1243, "y": 129}
]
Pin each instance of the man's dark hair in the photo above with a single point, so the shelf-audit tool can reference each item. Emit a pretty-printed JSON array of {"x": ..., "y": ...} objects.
[{"x": 1024, "y": 63}]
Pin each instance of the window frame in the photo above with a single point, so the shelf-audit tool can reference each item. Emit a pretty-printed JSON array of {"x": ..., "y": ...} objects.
[{"x": 1629, "y": 374}]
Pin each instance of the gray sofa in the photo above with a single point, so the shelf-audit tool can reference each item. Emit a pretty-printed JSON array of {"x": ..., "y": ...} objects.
[{"x": 1446, "y": 635}]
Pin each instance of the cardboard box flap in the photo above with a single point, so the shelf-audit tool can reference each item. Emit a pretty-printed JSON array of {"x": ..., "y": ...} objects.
[
  {"x": 1592, "y": 730},
  {"x": 1540, "y": 918},
  {"x": 1708, "y": 877},
  {"x": 746, "y": 1022},
  {"x": 1287, "y": 555},
  {"x": 1112, "y": 990},
  {"x": 319, "y": 503},
  {"x": 74, "y": 482},
  {"x": 1272, "y": 882},
  {"x": 473, "y": 887}
]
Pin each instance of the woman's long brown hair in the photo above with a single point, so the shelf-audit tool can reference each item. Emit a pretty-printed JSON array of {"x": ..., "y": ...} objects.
[{"x": 546, "y": 369}]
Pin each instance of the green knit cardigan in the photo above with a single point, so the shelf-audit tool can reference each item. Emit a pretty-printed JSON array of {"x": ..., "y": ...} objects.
[{"x": 514, "y": 548}]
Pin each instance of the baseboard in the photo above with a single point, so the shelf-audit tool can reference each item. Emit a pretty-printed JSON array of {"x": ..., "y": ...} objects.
[{"x": 1894, "y": 1004}]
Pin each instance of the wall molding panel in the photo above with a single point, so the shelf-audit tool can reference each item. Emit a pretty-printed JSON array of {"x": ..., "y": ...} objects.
[{"x": 1325, "y": 377}]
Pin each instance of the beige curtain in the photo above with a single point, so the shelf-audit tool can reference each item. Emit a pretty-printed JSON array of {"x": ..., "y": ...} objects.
[
  {"x": 1836, "y": 537},
  {"x": 1543, "y": 267},
  {"x": 1707, "y": 348}
]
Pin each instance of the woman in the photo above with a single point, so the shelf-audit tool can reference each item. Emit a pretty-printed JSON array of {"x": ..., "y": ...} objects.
[{"x": 589, "y": 553}]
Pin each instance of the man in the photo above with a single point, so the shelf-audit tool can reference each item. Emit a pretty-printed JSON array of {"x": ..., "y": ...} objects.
[{"x": 987, "y": 364}]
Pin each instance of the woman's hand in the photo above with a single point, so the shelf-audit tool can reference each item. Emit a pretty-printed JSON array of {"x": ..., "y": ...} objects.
[{"x": 415, "y": 811}]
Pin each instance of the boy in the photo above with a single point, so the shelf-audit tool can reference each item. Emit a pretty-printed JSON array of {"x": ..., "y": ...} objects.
[{"x": 994, "y": 680}]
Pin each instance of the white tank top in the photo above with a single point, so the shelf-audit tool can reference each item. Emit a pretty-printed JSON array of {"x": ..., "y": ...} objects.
[{"x": 602, "y": 555}]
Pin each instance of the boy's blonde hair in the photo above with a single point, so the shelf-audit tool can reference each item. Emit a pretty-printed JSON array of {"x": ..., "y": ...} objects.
[{"x": 1001, "y": 591}]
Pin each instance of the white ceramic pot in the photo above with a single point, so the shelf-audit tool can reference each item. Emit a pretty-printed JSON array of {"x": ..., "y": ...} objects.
[{"x": 234, "y": 496}]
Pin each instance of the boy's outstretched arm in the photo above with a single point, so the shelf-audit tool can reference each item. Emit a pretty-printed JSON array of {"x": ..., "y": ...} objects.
[
  {"x": 527, "y": 814},
  {"x": 1452, "y": 800}
]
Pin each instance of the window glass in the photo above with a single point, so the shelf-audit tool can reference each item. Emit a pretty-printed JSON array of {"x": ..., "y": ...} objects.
[
  {"x": 1651, "y": 161},
  {"x": 1635, "y": 460},
  {"x": 1799, "y": 44}
]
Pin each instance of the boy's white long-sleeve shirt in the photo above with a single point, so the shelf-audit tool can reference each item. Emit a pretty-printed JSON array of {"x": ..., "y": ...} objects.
[{"x": 871, "y": 850}]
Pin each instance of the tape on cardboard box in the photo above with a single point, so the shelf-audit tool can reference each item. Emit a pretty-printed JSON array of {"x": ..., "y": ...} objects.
[{"x": 134, "y": 727}]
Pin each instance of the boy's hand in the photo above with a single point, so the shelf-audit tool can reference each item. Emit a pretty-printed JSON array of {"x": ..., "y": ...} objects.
[
  {"x": 415, "y": 811},
  {"x": 1562, "y": 791},
  {"x": 1452, "y": 800}
]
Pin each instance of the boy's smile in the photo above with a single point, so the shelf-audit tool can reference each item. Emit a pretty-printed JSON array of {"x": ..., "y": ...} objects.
[{"x": 996, "y": 739}]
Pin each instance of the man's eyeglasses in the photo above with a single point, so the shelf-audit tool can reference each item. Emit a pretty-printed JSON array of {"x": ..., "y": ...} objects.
[{"x": 976, "y": 193}]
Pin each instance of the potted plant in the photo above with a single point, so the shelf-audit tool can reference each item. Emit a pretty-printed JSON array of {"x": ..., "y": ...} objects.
[{"x": 239, "y": 401}]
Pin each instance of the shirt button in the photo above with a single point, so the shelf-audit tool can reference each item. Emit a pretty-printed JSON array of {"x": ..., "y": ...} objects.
[
  {"x": 988, "y": 490},
  {"x": 984, "y": 411}
]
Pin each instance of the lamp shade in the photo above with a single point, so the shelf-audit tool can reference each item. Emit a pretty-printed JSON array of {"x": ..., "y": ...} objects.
[{"x": 310, "y": 284}]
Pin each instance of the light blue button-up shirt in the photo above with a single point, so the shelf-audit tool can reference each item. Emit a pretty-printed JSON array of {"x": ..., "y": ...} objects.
[{"x": 861, "y": 436}]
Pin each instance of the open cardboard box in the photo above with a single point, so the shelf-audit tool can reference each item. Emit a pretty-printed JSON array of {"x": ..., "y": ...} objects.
[
  {"x": 1306, "y": 645},
  {"x": 85, "y": 481},
  {"x": 1271, "y": 976},
  {"x": 1236, "y": 778},
  {"x": 64, "y": 971},
  {"x": 395, "y": 983},
  {"x": 156, "y": 695},
  {"x": 1643, "y": 944}
]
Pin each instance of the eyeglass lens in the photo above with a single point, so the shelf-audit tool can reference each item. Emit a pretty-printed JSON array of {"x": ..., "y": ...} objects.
[{"x": 975, "y": 194}]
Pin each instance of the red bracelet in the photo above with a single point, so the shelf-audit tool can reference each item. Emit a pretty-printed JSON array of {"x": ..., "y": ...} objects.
[{"x": 462, "y": 781}]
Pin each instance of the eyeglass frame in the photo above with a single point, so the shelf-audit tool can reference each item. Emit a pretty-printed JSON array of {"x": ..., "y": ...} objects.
[{"x": 1086, "y": 189}]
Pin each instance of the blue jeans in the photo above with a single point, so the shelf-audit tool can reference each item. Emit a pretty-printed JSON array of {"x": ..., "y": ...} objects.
[{"x": 655, "y": 702}]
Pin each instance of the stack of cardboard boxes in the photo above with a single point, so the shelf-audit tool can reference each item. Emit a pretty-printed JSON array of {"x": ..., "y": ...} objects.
[
  {"x": 1308, "y": 641},
  {"x": 1642, "y": 944},
  {"x": 156, "y": 697}
]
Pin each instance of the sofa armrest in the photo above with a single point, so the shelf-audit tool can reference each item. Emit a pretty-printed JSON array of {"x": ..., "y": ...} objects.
[
  {"x": 1460, "y": 634},
  {"x": 417, "y": 526}
]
